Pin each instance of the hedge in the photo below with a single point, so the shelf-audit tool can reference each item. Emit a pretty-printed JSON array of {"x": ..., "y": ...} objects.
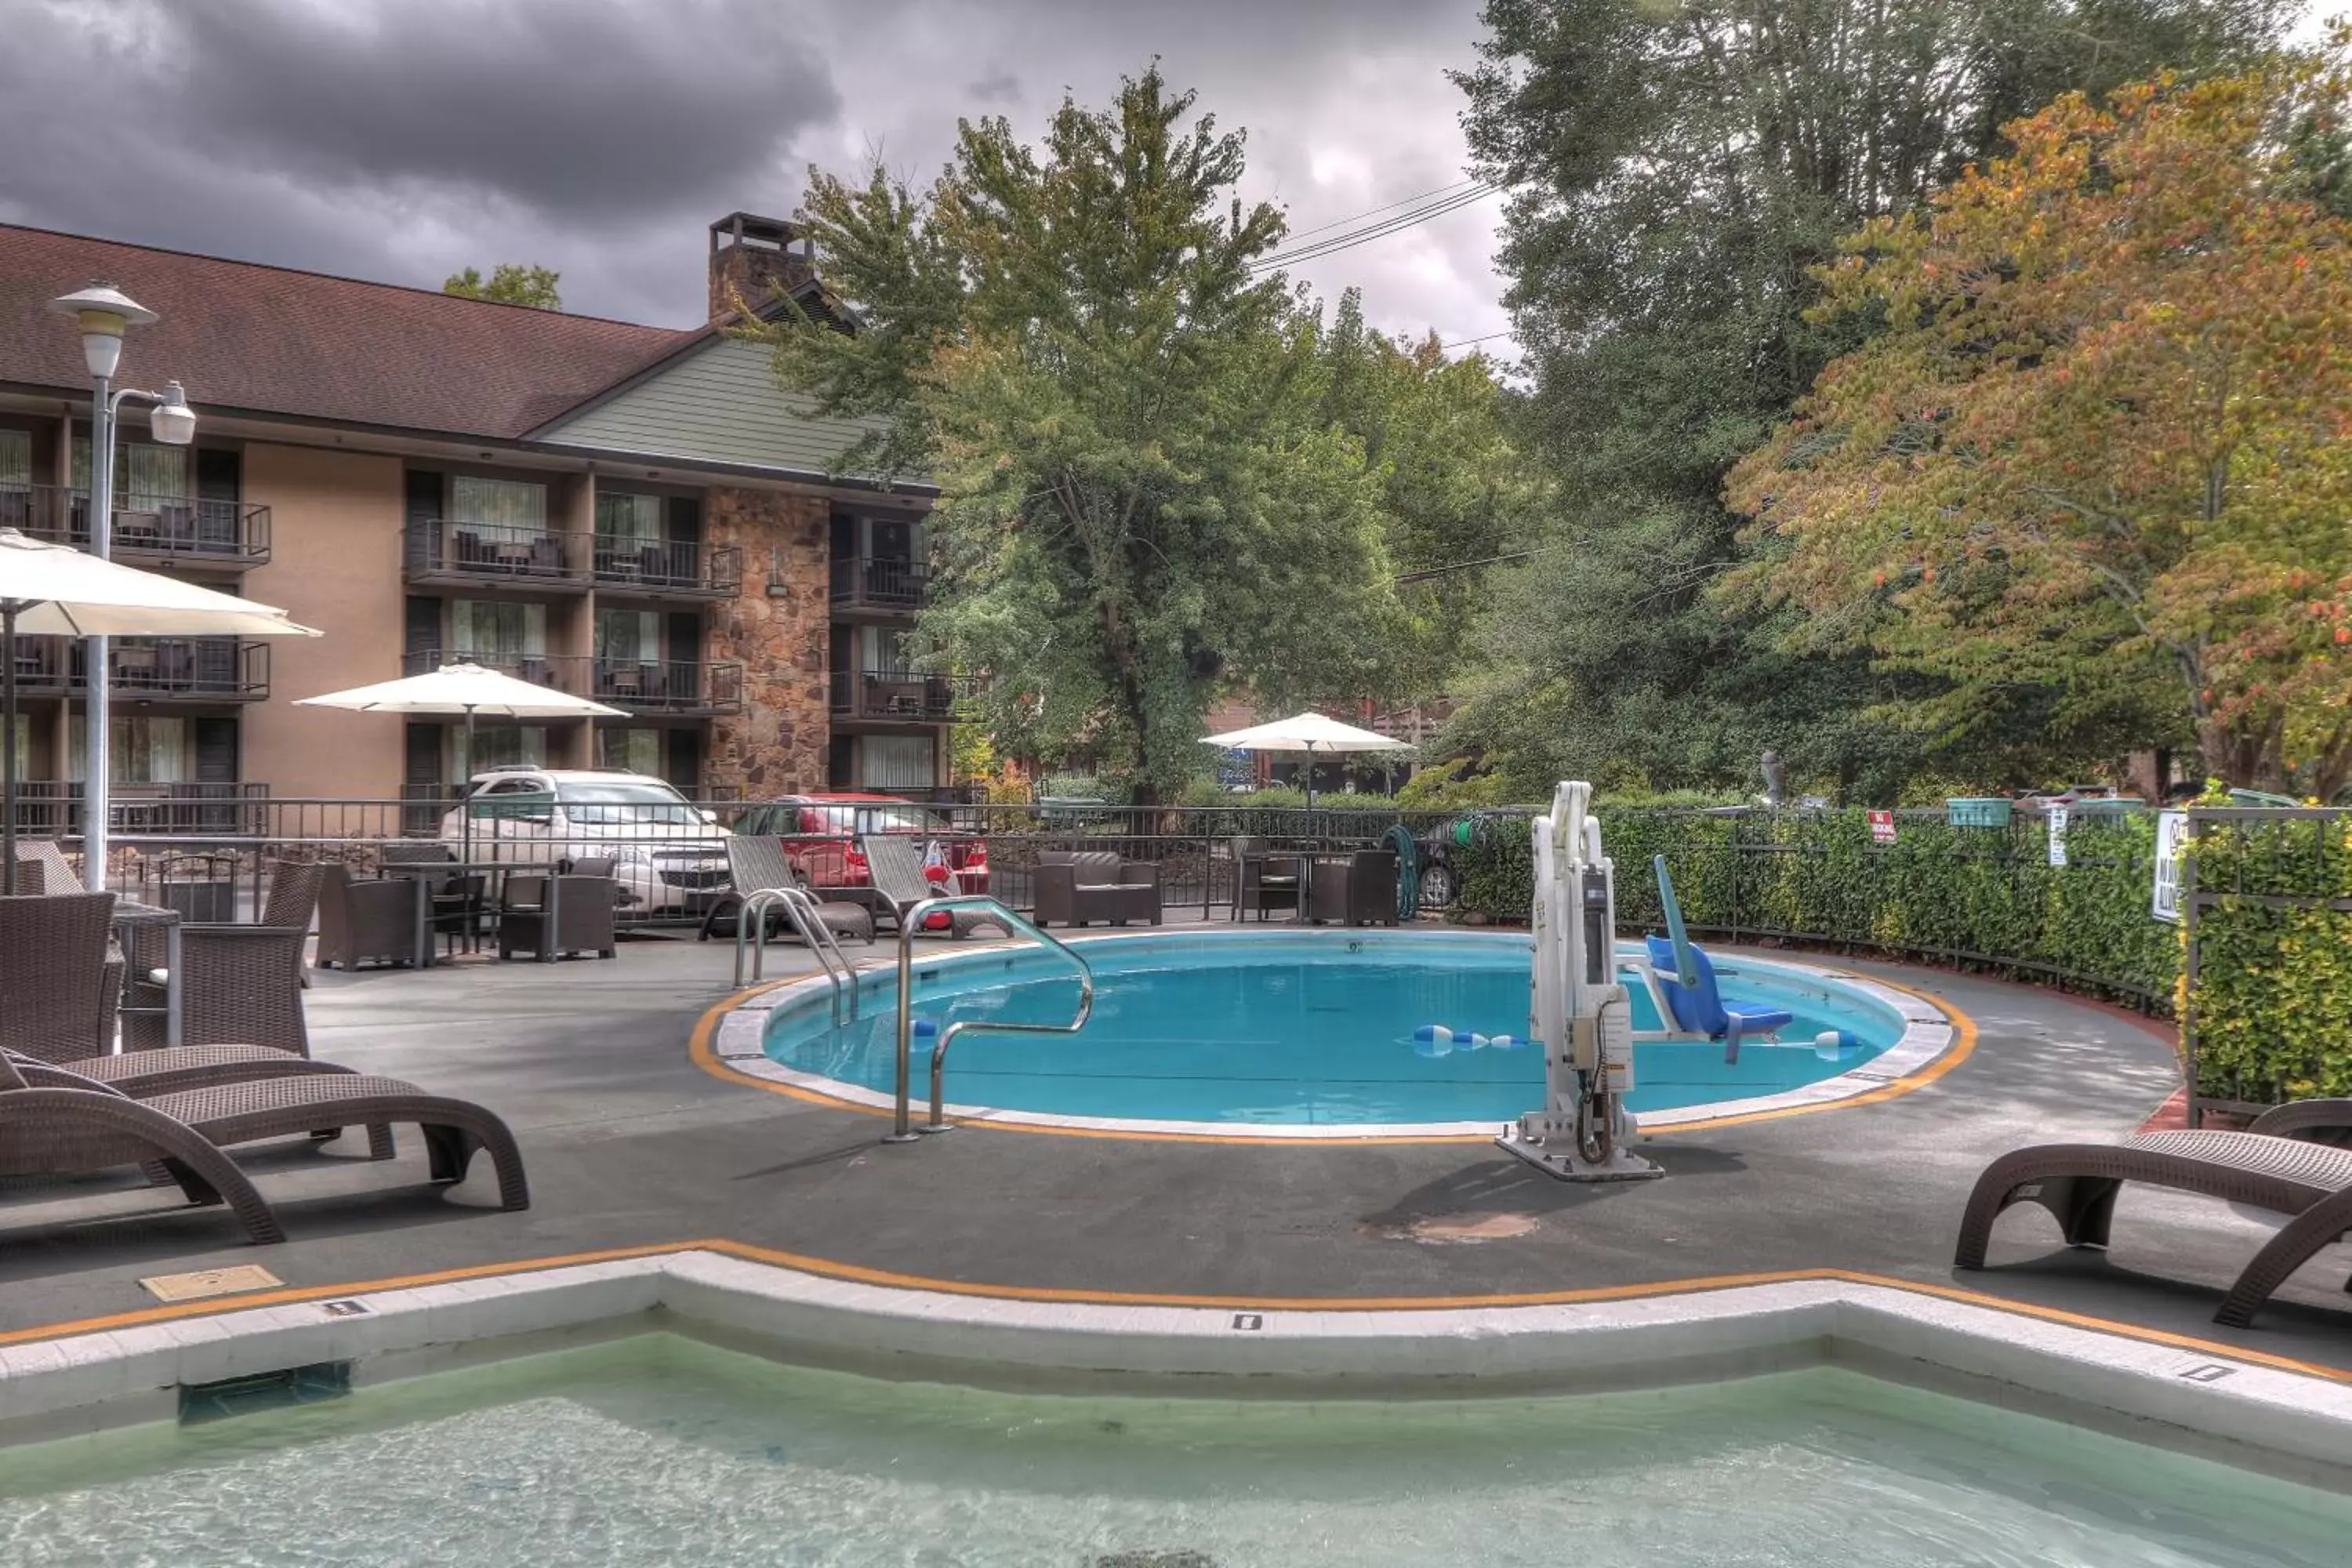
[{"x": 2270, "y": 1014}]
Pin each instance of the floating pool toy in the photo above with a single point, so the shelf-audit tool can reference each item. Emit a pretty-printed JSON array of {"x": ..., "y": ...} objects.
[
  {"x": 926, "y": 1027},
  {"x": 1831, "y": 1044}
]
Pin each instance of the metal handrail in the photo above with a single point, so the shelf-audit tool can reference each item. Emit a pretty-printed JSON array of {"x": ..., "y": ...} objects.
[
  {"x": 800, "y": 907},
  {"x": 910, "y": 924}
]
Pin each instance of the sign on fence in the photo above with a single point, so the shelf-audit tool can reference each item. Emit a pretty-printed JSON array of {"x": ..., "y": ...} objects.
[
  {"x": 1882, "y": 827},
  {"x": 2171, "y": 833},
  {"x": 2057, "y": 835}
]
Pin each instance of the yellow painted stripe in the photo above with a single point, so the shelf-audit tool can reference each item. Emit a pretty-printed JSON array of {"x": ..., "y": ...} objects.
[
  {"x": 1238, "y": 1301},
  {"x": 1963, "y": 1043}
]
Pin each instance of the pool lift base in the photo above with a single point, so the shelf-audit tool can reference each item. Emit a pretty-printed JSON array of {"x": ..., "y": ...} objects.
[{"x": 1577, "y": 1009}]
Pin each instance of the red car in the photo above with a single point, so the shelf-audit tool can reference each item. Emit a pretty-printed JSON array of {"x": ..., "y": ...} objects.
[{"x": 821, "y": 834}]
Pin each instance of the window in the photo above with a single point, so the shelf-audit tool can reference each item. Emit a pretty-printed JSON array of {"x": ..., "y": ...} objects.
[
  {"x": 497, "y": 633},
  {"x": 629, "y": 750},
  {"x": 141, "y": 751},
  {"x": 629, "y": 636},
  {"x": 24, "y": 745},
  {"x": 15, "y": 459},
  {"x": 626, "y": 522},
  {"x": 514, "y": 504},
  {"x": 897, "y": 761},
  {"x": 885, "y": 650},
  {"x": 498, "y": 746},
  {"x": 144, "y": 472}
]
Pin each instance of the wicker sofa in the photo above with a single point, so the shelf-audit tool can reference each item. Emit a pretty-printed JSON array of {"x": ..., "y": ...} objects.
[{"x": 1075, "y": 887}]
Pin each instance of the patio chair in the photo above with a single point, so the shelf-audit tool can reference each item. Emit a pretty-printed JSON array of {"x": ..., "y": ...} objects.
[
  {"x": 369, "y": 921},
  {"x": 54, "y": 973},
  {"x": 1264, "y": 879},
  {"x": 894, "y": 863},
  {"x": 1357, "y": 889},
  {"x": 551, "y": 916},
  {"x": 240, "y": 984},
  {"x": 55, "y": 1123},
  {"x": 758, "y": 864},
  {"x": 2285, "y": 1162},
  {"x": 1075, "y": 887}
]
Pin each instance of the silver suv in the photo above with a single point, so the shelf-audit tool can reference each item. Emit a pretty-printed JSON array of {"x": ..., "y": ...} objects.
[{"x": 668, "y": 856}]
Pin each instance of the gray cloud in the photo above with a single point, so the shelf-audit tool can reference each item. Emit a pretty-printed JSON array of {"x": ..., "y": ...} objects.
[{"x": 405, "y": 139}]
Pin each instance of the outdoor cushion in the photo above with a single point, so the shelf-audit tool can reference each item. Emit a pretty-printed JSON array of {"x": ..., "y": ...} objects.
[{"x": 1097, "y": 867}]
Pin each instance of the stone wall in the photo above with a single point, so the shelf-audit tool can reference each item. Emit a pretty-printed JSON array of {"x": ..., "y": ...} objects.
[{"x": 776, "y": 628}]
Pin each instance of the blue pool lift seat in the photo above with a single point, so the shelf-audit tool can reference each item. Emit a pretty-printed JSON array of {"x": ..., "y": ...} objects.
[{"x": 1687, "y": 977}]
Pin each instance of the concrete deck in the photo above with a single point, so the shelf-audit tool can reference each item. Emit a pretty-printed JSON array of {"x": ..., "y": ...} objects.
[{"x": 631, "y": 1144}]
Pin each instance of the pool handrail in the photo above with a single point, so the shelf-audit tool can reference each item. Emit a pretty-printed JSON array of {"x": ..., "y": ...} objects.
[
  {"x": 909, "y": 927},
  {"x": 800, "y": 907}
]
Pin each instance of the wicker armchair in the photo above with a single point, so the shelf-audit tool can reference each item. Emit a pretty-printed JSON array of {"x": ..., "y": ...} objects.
[
  {"x": 550, "y": 916},
  {"x": 366, "y": 921},
  {"x": 1265, "y": 878},
  {"x": 239, "y": 985},
  {"x": 1358, "y": 890}
]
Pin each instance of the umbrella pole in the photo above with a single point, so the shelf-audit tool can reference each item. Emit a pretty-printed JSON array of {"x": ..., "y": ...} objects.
[
  {"x": 465, "y": 806},
  {"x": 8, "y": 747}
]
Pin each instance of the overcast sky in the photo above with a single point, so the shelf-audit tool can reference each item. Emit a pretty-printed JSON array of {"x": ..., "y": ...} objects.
[{"x": 402, "y": 140}]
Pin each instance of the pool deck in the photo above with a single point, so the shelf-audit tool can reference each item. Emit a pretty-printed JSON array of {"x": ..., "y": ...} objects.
[{"x": 633, "y": 1144}]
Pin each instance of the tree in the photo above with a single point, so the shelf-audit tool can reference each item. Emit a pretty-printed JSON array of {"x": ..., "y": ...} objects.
[
  {"x": 1139, "y": 502},
  {"x": 2101, "y": 435},
  {"x": 1676, "y": 171},
  {"x": 510, "y": 283}
]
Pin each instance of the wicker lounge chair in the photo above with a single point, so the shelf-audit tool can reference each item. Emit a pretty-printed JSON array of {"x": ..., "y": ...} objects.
[
  {"x": 758, "y": 864},
  {"x": 1074, "y": 886},
  {"x": 2284, "y": 1162},
  {"x": 54, "y": 1122}
]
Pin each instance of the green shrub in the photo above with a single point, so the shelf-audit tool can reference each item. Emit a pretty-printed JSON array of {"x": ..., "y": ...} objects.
[{"x": 2272, "y": 1002}]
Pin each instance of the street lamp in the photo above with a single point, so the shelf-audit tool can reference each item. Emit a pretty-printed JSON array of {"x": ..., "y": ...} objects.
[{"x": 105, "y": 313}]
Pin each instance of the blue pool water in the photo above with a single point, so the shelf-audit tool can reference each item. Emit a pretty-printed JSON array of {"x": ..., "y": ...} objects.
[{"x": 1313, "y": 1027}]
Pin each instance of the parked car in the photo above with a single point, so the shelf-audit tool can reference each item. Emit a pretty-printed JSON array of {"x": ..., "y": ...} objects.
[
  {"x": 671, "y": 858},
  {"x": 821, "y": 834}
]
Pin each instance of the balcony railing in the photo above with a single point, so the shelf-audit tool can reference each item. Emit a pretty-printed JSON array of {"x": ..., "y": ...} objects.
[
  {"x": 51, "y": 808},
  {"x": 675, "y": 566},
  {"x": 864, "y": 583},
  {"x": 539, "y": 668},
  {"x": 227, "y": 535},
  {"x": 665, "y": 685},
  {"x": 453, "y": 551},
  {"x": 151, "y": 669},
  {"x": 897, "y": 694}
]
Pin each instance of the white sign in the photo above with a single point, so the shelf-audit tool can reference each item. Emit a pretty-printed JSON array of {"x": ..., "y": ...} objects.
[
  {"x": 2171, "y": 833},
  {"x": 2057, "y": 835},
  {"x": 1882, "y": 827}
]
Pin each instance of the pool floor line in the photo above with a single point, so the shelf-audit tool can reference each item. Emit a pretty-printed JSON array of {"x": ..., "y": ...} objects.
[
  {"x": 701, "y": 1050},
  {"x": 1237, "y": 1302}
]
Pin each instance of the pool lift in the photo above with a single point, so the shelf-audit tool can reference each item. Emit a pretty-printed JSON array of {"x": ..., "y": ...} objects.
[{"x": 1578, "y": 1014}]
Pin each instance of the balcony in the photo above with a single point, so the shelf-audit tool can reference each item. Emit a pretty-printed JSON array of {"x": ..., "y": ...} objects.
[
  {"x": 890, "y": 587},
  {"x": 213, "y": 535},
  {"x": 901, "y": 696},
  {"x": 149, "y": 670},
  {"x": 673, "y": 686},
  {"x": 51, "y": 808},
  {"x": 480, "y": 554},
  {"x": 670, "y": 569},
  {"x": 539, "y": 668}
]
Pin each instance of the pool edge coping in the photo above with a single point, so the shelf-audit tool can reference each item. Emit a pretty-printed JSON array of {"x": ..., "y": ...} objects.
[
  {"x": 72, "y": 1381},
  {"x": 728, "y": 1042}
]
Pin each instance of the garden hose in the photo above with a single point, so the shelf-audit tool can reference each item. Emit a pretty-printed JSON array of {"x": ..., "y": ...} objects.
[{"x": 1408, "y": 852}]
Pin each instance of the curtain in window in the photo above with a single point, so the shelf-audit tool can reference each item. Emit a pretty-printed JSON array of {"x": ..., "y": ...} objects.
[
  {"x": 896, "y": 762},
  {"x": 16, "y": 458},
  {"x": 24, "y": 745},
  {"x": 634, "y": 751},
  {"x": 145, "y": 751},
  {"x": 506, "y": 503},
  {"x": 496, "y": 746},
  {"x": 493, "y": 633},
  {"x": 144, "y": 471},
  {"x": 631, "y": 635},
  {"x": 886, "y": 652},
  {"x": 627, "y": 522}
]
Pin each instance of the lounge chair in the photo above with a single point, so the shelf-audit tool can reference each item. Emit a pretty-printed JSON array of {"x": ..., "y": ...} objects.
[
  {"x": 757, "y": 863},
  {"x": 894, "y": 863},
  {"x": 54, "y": 1122},
  {"x": 1074, "y": 886},
  {"x": 2285, "y": 1162}
]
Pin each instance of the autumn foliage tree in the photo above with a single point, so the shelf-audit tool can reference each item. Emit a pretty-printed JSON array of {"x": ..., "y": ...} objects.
[{"x": 2099, "y": 442}]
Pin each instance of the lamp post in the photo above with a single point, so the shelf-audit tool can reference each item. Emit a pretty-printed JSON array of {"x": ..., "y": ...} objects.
[{"x": 105, "y": 313}]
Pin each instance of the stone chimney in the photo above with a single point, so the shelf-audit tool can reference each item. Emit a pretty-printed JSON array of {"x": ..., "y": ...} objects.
[{"x": 754, "y": 259}]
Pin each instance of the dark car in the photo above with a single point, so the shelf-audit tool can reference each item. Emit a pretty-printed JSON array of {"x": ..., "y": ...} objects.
[{"x": 821, "y": 834}]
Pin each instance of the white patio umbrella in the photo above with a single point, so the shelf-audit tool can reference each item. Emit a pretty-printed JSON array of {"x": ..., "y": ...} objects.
[
  {"x": 467, "y": 689},
  {"x": 54, "y": 590},
  {"x": 1310, "y": 734}
]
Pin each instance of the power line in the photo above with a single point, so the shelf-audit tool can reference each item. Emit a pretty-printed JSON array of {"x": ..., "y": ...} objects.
[
  {"x": 1358, "y": 218},
  {"x": 1466, "y": 343},
  {"x": 1380, "y": 230},
  {"x": 1424, "y": 576}
]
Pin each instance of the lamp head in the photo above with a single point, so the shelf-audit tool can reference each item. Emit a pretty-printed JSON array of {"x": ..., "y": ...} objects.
[
  {"x": 105, "y": 313},
  {"x": 173, "y": 423}
]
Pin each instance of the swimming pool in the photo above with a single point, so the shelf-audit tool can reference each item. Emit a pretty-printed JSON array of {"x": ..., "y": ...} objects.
[
  {"x": 1329, "y": 1029},
  {"x": 660, "y": 1449}
]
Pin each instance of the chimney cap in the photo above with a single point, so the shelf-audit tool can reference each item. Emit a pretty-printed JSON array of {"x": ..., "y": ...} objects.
[{"x": 743, "y": 227}]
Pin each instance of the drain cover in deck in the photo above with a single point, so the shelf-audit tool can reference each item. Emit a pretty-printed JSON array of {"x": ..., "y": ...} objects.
[{"x": 199, "y": 1283}]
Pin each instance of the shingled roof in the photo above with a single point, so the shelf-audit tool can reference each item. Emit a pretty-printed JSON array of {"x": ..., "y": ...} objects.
[{"x": 271, "y": 340}]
